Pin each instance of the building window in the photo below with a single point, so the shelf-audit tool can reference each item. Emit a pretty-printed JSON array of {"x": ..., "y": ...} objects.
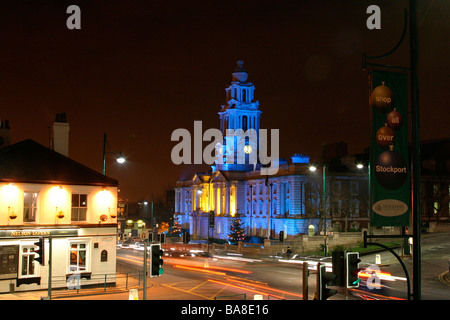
[
  {"x": 28, "y": 266},
  {"x": 79, "y": 207},
  {"x": 354, "y": 187},
  {"x": 29, "y": 206},
  {"x": 336, "y": 185},
  {"x": 436, "y": 207},
  {"x": 245, "y": 126},
  {"x": 354, "y": 206},
  {"x": 78, "y": 256}
]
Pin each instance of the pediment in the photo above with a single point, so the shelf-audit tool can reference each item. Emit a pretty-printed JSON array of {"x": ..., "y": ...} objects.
[
  {"x": 201, "y": 178},
  {"x": 218, "y": 176}
]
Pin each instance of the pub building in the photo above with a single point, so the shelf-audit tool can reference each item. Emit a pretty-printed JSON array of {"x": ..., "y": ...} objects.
[{"x": 44, "y": 193}]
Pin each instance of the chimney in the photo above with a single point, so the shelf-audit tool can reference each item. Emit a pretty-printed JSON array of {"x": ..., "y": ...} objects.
[
  {"x": 61, "y": 134},
  {"x": 5, "y": 134}
]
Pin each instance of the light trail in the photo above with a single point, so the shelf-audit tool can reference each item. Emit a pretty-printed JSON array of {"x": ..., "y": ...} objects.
[
  {"x": 229, "y": 269},
  {"x": 248, "y": 289},
  {"x": 139, "y": 260},
  {"x": 268, "y": 288},
  {"x": 237, "y": 258},
  {"x": 312, "y": 265},
  {"x": 382, "y": 275},
  {"x": 373, "y": 296},
  {"x": 199, "y": 269}
]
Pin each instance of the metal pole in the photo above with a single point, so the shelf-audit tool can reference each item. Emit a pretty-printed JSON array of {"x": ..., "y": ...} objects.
[
  {"x": 209, "y": 229},
  {"x": 49, "y": 267},
  {"x": 145, "y": 270},
  {"x": 153, "y": 233},
  {"x": 345, "y": 277},
  {"x": 104, "y": 154},
  {"x": 305, "y": 280},
  {"x": 324, "y": 197},
  {"x": 415, "y": 150},
  {"x": 318, "y": 295}
]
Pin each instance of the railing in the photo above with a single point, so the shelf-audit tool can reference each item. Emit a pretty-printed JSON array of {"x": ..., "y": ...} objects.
[{"x": 98, "y": 284}]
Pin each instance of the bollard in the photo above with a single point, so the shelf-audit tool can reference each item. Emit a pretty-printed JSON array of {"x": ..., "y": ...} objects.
[{"x": 133, "y": 295}]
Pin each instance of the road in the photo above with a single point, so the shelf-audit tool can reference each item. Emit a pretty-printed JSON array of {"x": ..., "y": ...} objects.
[
  {"x": 200, "y": 278},
  {"x": 221, "y": 278},
  {"x": 205, "y": 279}
]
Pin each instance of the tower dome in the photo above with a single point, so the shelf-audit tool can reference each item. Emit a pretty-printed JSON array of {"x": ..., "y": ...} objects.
[{"x": 240, "y": 74}]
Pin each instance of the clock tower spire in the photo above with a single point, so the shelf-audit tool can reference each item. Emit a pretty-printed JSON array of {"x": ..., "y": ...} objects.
[{"x": 240, "y": 123}]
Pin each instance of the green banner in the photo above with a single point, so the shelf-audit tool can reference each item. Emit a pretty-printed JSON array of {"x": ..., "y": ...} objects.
[{"x": 389, "y": 159}]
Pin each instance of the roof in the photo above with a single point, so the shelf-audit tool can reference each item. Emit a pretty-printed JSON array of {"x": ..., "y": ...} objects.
[{"x": 30, "y": 162}]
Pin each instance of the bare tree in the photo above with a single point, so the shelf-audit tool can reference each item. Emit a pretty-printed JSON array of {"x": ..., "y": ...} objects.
[{"x": 316, "y": 201}]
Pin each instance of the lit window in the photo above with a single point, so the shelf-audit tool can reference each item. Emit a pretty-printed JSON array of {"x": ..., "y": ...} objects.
[
  {"x": 78, "y": 255},
  {"x": 28, "y": 266},
  {"x": 79, "y": 207},
  {"x": 436, "y": 207},
  {"x": 29, "y": 206}
]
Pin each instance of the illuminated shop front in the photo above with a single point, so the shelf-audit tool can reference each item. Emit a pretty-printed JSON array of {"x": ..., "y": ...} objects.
[{"x": 61, "y": 200}]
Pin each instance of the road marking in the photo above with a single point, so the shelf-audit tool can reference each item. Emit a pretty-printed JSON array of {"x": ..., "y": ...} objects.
[
  {"x": 215, "y": 295},
  {"x": 197, "y": 286},
  {"x": 196, "y": 294}
]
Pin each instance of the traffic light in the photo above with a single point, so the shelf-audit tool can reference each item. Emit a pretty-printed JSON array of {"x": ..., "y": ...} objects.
[
  {"x": 325, "y": 279},
  {"x": 150, "y": 236},
  {"x": 39, "y": 252},
  {"x": 339, "y": 267},
  {"x": 281, "y": 236},
  {"x": 156, "y": 260},
  {"x": 352, "y": 269},
  {"x": 211, "y": 219},
  {"x": 162, "y": 238}
]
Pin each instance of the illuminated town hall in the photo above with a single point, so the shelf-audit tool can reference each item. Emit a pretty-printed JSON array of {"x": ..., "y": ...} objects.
[{"x": 289, "y": 201}]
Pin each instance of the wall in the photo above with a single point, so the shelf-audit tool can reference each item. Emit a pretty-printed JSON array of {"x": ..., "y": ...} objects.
[{"x": 53, "y": 199}]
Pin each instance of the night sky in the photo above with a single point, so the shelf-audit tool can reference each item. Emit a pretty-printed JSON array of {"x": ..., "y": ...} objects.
[{"x": 138, "y": 70}]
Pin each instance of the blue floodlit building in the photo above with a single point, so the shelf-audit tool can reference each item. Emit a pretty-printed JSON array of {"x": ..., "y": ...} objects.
[{"x": 267, "y": 204}]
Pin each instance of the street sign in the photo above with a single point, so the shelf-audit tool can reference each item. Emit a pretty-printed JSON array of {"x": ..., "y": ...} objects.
[
  {"x": 389, "y": 159},
  {"x": 378, "y": 259}
]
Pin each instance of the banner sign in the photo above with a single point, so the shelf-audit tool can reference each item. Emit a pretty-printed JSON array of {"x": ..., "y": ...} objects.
[
  {"x": 25, "y": 233},
  {"x": 389, "y": 160}
]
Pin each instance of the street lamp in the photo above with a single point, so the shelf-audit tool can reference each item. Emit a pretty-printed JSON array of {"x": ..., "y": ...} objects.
[{"x": 120, "y": 159}]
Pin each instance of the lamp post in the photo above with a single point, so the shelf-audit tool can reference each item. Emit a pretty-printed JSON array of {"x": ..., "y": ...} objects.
[
  {"x": 313, "y": 169},
  {"x": 120, "y": 159}
]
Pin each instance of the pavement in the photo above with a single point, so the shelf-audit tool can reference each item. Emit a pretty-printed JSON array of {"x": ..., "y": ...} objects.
[{"x": 123, "y": 286}]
